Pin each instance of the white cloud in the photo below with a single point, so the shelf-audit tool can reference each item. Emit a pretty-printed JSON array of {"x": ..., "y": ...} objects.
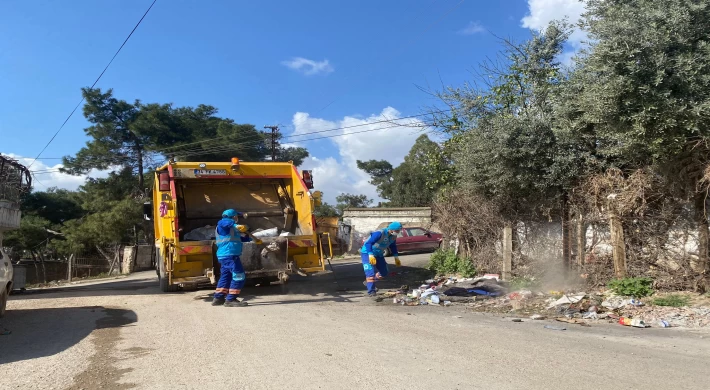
[
  {"x": 371, "y": 138},
  {"x": 542, "y": 12},
  {"x": 308, "y": 67},
  {"x": 472, "y": 28},
  {"x": 46, "y": 176}
]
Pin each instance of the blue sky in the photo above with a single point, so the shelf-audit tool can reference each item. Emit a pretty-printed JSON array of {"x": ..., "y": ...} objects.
[{"x": 260, "y": 62}]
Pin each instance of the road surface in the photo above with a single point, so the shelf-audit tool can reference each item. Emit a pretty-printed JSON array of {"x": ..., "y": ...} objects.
[{"x": 125, "y": 334}]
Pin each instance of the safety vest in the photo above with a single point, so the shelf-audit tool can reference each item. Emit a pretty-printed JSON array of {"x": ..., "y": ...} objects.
[
  {"x": 230, "y": 245},
  {"x": 378, "y": 248}
]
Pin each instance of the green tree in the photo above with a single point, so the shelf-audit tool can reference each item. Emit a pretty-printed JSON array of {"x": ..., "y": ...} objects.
[
  {"x": 346, "y": 201},
  {"x": 326, "y": 210},
  {"x": 414, "y": 182},
  {"x": 55, "y": 205},
  {"x": 121, "y": 134},
  {"x": 647, "y": 90},
  {"x": 503, "y": 141}
]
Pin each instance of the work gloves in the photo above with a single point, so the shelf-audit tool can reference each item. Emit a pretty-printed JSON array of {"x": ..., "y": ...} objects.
[
  {"x": 242, "y": 228},
  {"x": 373, "y": 260},
  {"x": 258, "y": 241},
  {"x": 397, "y": 263}
]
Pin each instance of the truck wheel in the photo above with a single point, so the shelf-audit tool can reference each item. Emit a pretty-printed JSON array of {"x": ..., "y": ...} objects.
[
  {"x": 3, "y": 301},
  {"x": 162, "y": 275}
]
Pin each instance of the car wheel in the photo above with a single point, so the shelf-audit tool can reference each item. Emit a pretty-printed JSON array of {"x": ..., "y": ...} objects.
[
  {"x": 387, "y": 252},
  {"x": 3, "y": 301}
]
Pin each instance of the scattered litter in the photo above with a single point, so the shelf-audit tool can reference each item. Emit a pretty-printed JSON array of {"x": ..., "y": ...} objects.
[
  {"x": 551, "y": 327},
  {"x": 447, "y": 303},
  {"x": 664, "y": 324},
  {"x": 590, "y": 315},
  {"x": 458, "y": 316},
  {"x": 619, "y": 302},
  {"x": 5, "y": 332},
  {"x": 635, "y": 322},
  {"x": 537, "y": 317},
  {"x": 517, "y": 320},
  {"x": 567, "y": 299},
  {"x": 434, "y": 299}
]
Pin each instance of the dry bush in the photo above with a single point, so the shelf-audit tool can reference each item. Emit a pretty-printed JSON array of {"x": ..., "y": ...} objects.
[
  {"x": 660, "y": 236},
  {"x": 472, "y": 225}
]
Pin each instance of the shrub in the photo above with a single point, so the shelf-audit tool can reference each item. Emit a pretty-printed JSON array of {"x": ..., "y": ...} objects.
[
  {"x": 632, "y": 287},
  {"x": 445, "y": 261},
  {"x": 674, "y": 300}
]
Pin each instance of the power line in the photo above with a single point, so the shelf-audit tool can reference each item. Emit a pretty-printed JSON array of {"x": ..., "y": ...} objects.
[
  {"x": 237, "y": 147},
  {"x": 94, "y": 84},
  {"x": 164, "y": 150}
]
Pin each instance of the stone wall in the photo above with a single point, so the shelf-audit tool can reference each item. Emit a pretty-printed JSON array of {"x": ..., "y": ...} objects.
[{"x": 358, "y": 223}]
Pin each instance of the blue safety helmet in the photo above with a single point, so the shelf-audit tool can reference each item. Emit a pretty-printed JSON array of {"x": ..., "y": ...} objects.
[
  {"x": 394, "y": 226},
  {"x": 231, "y": 213}
]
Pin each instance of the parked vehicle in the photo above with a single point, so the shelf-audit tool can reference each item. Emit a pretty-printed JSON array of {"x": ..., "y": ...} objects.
[
  {"x": 413, "y": 239},
  {"x": 5, "y": 280}
]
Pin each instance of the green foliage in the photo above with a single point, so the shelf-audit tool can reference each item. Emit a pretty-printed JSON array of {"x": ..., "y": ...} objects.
[
  {"x": 445, "y": 261},
  {"x": 325, "y": 210},
  {"x": 632, "y": 287},
  {"x": 55, "y": 205},
  {"x": 135, "y": 136},
  {"x": 523, "y": 283},
  {"x": 503, "y": 144},
  {"x": 346, "y": 201},
  {"x": 416, "y": 181},
  {"x": 673, "y": 300},
  {"x": 31, "y": 236}
]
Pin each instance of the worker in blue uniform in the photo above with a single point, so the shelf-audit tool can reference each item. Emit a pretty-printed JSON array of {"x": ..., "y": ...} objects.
[
  {"x": 229, "y": 237},
  {"x": 373, "y": 255}
]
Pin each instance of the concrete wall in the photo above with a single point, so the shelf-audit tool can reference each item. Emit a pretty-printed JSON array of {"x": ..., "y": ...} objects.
[
  {"x": 136, "y": 258},
  {"x": 360, "y": 222},
  {"x": 9, "y": 215}
]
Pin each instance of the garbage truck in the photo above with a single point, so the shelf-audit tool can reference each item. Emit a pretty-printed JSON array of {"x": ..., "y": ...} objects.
[{"x": 274, "y": 200}]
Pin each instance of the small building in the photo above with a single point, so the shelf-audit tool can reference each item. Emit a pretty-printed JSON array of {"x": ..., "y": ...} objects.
[{"x": 358, "y": 223}]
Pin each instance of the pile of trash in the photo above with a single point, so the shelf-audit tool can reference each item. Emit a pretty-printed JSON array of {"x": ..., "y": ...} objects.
[
  {"x": 490, "y": 294},
  {"x": 445, "y": 291}
]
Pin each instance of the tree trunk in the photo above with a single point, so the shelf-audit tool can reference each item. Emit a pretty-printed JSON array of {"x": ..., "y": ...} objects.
[
  {"x": 701, "y": 221},
  {"x": 507, "y": 252},
  {"x": 581, "y": 240},
  {"x": 139, "y": 154},
  {"x": 617, "y": 244},
  {"x": 565, "y": 235},
  {"x": 34, "y": 261},
  {"x": 44, "y": 267}
]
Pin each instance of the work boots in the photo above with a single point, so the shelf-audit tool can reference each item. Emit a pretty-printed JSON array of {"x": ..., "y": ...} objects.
[
  {"x": 235, "y": 303},
  {"x": 218, "y": 302}
]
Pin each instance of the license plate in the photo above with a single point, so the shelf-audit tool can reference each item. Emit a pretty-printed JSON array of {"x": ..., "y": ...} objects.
[{"x": 210, "y": 172}]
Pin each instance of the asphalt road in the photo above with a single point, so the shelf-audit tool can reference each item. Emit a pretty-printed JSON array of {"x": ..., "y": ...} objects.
[{"x": 125, "y": 334}]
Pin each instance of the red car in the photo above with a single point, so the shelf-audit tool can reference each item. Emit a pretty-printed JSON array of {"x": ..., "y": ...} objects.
[{"x": 412, "y": 239}]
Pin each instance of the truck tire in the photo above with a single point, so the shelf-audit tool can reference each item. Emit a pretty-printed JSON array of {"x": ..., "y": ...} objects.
[
  {"x": 387, "y": 252},
  {"x": 3, "y": 300},
  {"x": 163, "y": 277}
]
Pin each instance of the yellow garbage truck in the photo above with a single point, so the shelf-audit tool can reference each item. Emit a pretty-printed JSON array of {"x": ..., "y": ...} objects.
[{"x": 276, "y": 203}]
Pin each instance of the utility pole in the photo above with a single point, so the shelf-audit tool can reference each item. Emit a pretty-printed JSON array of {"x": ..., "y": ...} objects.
[{"x": 274, "y": 131}]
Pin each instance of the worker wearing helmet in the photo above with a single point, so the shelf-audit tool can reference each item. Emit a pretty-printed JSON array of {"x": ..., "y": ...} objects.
[
  {"x": 229, "y": 237},
  {"x": 373, "y": 254}
]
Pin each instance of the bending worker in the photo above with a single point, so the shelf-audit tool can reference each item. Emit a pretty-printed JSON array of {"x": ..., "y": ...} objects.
[
  {"x": 229, "y": 239},
  {"x": 373, "y": 254}
]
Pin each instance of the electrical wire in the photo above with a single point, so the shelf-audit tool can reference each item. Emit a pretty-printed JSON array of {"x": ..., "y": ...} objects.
[
  {"x": 94, "y": 84},
  {"x": 164, "y": 150}
]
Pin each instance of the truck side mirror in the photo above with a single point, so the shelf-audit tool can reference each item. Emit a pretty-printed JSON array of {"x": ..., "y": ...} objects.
[{"x": 148, "y": 211}]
